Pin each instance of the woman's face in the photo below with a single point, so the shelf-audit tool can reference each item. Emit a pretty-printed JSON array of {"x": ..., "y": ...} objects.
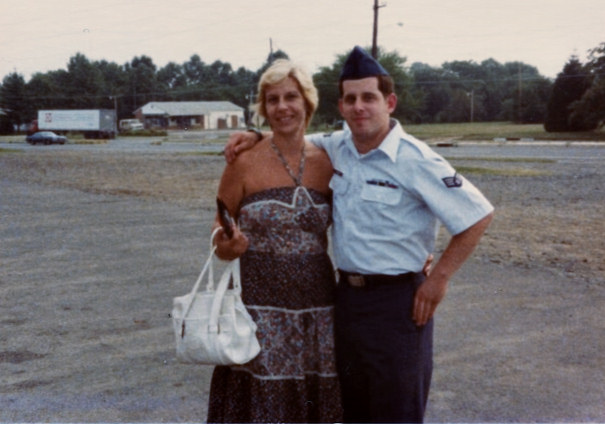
[{"x": 285, "y": 107}]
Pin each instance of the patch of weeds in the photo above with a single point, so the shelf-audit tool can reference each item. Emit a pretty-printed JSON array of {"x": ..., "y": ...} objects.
[
  {"x": 492, "y": 159},
  {"x": 16, "y": 357},
  {"x": 88, "y": 141},
  {"x": 3, "y": 151},
  {"x": 511, "y": 172},
  {"x": 200, "y": 154}
]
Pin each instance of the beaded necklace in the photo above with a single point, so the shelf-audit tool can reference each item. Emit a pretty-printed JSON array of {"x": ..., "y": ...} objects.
[{"x": 297, "y": 179}]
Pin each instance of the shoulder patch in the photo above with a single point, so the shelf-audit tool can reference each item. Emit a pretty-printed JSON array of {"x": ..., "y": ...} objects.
[{"x": 452, "y": 182}]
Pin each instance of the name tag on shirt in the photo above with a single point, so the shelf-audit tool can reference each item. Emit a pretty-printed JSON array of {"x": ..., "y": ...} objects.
[
  {"x": 381, "y": 191},
  {"x": 381, "y": 183}
]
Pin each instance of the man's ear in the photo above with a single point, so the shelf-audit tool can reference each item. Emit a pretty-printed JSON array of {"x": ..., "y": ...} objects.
[
  {"x": 340, "y": 107},
  {"x": 391, "y": 102}
]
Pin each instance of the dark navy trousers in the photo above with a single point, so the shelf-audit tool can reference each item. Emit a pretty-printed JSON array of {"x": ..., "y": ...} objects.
[{"x": 384, "y": 360}]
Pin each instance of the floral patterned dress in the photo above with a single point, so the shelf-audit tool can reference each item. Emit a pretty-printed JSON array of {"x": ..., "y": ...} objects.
[{"x": 287, "y": 285}]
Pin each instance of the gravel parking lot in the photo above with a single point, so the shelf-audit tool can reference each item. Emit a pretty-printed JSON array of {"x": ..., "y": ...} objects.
[{"x": 96, "y": 243}]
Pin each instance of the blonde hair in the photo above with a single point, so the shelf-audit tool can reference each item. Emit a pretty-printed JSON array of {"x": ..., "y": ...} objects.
[{"x": 279, "y": 71}]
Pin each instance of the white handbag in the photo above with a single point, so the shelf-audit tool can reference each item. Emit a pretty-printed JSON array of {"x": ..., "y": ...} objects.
[{"x": 213, "y": 327}]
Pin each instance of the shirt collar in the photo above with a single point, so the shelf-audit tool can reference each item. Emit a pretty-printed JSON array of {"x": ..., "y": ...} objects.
[{"x": 389, "y": 146}]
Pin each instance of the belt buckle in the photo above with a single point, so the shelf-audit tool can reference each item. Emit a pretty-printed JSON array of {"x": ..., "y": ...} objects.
[{"x": 356, "y": 280}]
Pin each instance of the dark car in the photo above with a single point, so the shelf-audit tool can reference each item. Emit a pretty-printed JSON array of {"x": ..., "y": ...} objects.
[{"x": 46, "y": 137}]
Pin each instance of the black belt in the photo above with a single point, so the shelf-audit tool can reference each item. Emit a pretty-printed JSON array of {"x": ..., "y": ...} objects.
[{"x": 374, "y": 280}]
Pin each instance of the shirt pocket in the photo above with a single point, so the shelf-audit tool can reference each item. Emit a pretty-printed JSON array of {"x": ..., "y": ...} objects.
[
  {"x": 380, "y": 194},
  {"x": 339, "y": 184}
]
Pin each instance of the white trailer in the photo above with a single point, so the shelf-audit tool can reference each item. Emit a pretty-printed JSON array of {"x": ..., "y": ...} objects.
[{"x": 94, "y": 123}]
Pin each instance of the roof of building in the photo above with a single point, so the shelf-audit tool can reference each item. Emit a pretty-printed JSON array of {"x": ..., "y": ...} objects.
[{"x": 188, "y": 108}]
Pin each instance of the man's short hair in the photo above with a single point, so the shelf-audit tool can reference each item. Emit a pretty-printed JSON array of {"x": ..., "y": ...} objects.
[{"x": 386, "y": 85}]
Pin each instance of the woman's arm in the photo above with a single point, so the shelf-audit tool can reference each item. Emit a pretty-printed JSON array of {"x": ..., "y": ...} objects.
[{"x": 231, "y": 191}]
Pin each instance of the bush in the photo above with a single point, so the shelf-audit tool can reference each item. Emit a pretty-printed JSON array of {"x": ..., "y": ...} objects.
[
  {"x": 6, "y": 126},
  {"x": 144, "y": 133}
]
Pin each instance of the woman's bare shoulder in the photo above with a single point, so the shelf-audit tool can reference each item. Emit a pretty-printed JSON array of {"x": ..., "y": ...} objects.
[
  {"x": 317, "y": 154},
  {"x": 312, "y": 149},
  {"x": 251, "y": 158}
]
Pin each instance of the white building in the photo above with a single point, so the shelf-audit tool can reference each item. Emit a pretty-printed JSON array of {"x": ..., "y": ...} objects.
[{"x": 191, "y": 115}]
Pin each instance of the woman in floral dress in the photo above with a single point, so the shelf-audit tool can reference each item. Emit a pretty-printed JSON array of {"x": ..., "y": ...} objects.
[{"x": 278, "y": 191}]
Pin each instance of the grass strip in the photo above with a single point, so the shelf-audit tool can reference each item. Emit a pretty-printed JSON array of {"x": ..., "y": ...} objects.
[
  {"x": 492, "y": 159},
  {"x": 511, "y": 172}
]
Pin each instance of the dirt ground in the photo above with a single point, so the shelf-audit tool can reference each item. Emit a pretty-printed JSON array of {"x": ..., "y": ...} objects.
[{"x": 95, "y": 245}]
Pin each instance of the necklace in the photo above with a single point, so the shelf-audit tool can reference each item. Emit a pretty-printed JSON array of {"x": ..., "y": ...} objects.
[{"x": 297, "y": 179}]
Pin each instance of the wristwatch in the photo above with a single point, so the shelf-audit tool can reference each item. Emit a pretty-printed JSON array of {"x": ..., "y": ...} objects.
[{"x": 259, "y": 135}]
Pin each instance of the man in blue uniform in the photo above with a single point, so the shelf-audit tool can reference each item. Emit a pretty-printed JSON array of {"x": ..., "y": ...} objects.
[{"x": 390, "y": 193}]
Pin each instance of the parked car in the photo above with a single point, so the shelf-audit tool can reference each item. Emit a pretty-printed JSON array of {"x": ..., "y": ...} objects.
[
  {"x": 131, "y": 125},
  {"x": 46, "y": 137}
]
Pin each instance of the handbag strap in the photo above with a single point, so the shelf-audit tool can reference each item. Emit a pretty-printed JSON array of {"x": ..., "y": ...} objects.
[
  {"x": 206, "y": 268},
  {"x": 231, "y": 272},
  {"x": 210, "y": 285},
  {"x": 235, "y": 270}
]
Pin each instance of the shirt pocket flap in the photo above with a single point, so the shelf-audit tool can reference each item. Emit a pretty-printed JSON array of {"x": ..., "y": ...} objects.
[{"x": 381, "y": 194}]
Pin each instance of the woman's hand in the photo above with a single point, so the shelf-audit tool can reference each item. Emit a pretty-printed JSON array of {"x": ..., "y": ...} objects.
[{"x": 230, "y": 248}]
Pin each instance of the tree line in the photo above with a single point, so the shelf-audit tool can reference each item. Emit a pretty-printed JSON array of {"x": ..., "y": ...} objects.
[{"x": 458, "y": 91}]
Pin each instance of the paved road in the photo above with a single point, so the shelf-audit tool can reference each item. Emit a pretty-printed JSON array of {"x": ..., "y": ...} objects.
[
  {"x": 128, "y": 144},
  {"x": 184, "y": 143},
  {"x": 543, "y": 150}
]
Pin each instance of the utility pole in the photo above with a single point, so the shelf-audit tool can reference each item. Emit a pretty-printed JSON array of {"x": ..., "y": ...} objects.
[
  {"x": 472, "y": 96},
  {"x": 519, "y": 112},
  {"x": 375, "y": 33},
  {"x": 115, "y": 111},
  {"x": 270, "y": 50}
]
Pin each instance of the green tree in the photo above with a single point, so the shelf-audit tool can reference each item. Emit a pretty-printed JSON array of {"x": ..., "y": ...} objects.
[
  {"x": 6, "y": 126},
  {"x": 533, "y": 108},
  {"x": 589, "y": 112},
  {"x": 569, "y": 87},
  {"x": 464, "y": 90},
  {"x": 407, "y": 105},
  {"x": 220, "y": 84},
  {"x": 84, "y": 87},
  {"x": 47, "y": 91},
  {"x": 522, "y": 84},
  {"x": 326, "y": 82},
  {"x": 195, "y": 71},
  {"x": 13, "y": 100},
  {"x": 172, "y": 81},
  {"x": 142, "y": 82},
  {"x": 492, "y": 91},
  {"x": 456, "y": 91},
  {"x": 466, "y": 82},
  {"x": 431, "y": 90},
  {"x": 113, "y": 89}
]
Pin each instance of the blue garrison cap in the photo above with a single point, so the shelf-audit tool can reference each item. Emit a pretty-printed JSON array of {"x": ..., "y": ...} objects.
[{"x": 360, "y": 65}]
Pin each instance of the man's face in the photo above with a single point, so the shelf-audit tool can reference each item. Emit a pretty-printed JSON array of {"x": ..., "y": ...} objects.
[{"x": 366, "y": 111}]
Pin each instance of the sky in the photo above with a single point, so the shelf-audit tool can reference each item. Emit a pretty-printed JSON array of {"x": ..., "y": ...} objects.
[{"x": 42, "y": 35}]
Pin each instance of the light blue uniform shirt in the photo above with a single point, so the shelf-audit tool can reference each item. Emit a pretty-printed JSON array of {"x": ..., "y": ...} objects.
[{"x": 388, "y": 202}]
